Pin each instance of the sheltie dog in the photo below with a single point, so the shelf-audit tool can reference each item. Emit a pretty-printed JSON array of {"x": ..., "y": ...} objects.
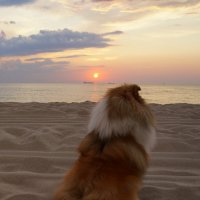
[{"x": 114, "y": 154}]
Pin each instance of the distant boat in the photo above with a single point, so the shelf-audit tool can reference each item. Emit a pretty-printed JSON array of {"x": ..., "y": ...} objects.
[
  {"x": 110, "y": 83},
  {"x": 88, "y": 82}
]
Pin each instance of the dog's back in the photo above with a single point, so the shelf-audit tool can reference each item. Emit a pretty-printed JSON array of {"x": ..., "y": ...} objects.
[
  {"x": 109, "y": 170},
  {"x": 113, "y": 156}
]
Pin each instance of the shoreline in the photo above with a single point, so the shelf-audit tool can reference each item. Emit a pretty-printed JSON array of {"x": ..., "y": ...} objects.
[{"x": 87, "y": 101}]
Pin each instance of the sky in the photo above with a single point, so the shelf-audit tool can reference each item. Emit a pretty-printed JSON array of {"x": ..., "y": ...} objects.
[{"x": 133, "y": 41}]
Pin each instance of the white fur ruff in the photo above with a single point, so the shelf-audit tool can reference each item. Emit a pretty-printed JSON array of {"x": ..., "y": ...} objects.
[{"x": 101, "y": 124}]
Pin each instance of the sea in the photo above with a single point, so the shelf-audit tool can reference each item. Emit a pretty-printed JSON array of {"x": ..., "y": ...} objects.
[{"x": 81, "y": 92}]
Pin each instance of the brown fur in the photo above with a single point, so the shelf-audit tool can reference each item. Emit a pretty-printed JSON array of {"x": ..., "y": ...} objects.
[
  {"x": 125, "y": 101},
  {"x": 110, "y": 168}
]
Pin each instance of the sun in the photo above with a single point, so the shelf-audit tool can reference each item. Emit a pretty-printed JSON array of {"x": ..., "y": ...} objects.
[{"x": 96, "y": 75}]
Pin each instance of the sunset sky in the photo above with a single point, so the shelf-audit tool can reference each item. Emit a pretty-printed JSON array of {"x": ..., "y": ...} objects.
[{"x": 141, "y": 41}]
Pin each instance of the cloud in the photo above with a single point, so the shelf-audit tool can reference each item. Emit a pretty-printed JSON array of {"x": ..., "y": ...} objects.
[
  {"x": 73, "y": 56},
  {"x": 20, "y": 71},
  {"x": 124, "y": 14},
  {"x": 104, "y": 0},
  {"x": 132, "y": 5},
  {"x": 7, "y": 22},
  {"x": 15, "y": 2},
  {"x": 2, "y": 35},
  {"x": 50, "y": 41},
  {"x": 45, "y": 64},
  {"x": 36, "y": 59},
  {"x": 113, "y": 33},
  {"x": 159, "y": 3},
  {"x": 176, "y": 3},
  {"x": 12, "y": 22}
]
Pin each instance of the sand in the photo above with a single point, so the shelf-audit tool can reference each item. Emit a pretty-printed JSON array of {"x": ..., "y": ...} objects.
[{"x": 38, "y": 144}]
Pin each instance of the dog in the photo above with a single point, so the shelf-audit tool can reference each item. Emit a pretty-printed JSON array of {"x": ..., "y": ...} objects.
[{"x": 114, "y": 154}]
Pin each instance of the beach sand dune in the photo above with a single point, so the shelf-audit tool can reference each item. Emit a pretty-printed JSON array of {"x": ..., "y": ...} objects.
[{"x": 38, "y": 144}]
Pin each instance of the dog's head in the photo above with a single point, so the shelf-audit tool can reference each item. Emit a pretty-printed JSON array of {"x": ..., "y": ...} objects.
[
  {"x": 124, "y": 102},
  {"x": 122, "y": 111}
]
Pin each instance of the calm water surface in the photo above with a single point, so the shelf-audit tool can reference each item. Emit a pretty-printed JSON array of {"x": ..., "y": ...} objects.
[{"x": 162, "y": 94}]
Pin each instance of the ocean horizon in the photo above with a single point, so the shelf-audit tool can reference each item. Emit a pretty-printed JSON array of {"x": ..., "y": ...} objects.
[{"x": 80, "y": 92}]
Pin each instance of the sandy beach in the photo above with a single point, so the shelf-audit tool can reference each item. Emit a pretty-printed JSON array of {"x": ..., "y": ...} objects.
[{"x": 38, "y": 144}]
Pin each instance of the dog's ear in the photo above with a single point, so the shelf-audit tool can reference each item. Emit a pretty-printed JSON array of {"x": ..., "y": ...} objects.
[
  {"x": 136, "y": 88},
  {"x": 135, "y": 92}
]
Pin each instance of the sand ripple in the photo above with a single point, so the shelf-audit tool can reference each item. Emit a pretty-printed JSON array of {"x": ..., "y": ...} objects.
[{"x": 38, "y": 144}]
